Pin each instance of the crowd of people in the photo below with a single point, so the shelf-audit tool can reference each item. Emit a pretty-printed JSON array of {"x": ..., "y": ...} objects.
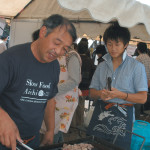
[{"x": 44, "y": 85}]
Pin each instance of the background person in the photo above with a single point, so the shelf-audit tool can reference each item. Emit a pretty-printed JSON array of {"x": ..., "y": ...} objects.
[
  {"x": 68, "y": 93},
  {"x": 29, "y": 81},
  {"x": 114, "y": 107},
  {"x": 144, "y": 58},
  {"x": 135, "y": 54},
  {"x": 87, "y": 71},
  {"x": 100, "y": 51}
]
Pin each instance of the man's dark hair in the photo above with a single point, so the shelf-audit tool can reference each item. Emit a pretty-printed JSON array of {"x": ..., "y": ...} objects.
[
  {"x": 84, "y": 40},
  {"x": 142, "y": 47},
  {"x": 82, "y": 47},
  {"x": 136, "y": 52},
  {"x": 57, "y": 20},
  {"x": 100, "y": 49},
  {"x": 116, "y": 32}
]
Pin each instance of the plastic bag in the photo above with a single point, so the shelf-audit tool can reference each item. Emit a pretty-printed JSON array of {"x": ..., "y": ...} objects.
[{"x": 88, "y": 115}]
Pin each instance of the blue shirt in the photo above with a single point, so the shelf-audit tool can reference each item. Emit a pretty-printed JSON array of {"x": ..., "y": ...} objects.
[{"x": 129, "y": 77}]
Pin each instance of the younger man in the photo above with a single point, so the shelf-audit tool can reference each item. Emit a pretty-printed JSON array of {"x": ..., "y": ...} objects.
[{"x": 113, "y": 112}]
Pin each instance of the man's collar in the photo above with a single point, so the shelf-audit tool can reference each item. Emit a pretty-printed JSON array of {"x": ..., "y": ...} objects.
[{"x": 107, "y": 57}]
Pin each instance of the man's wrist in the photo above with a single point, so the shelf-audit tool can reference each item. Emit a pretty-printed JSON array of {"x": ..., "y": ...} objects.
[{"x": 126, "y": 96}]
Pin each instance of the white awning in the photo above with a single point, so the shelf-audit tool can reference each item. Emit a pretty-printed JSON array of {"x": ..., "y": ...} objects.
[
  {"x": 10, "y": 8},
  {"x": 127, "y": 12}
]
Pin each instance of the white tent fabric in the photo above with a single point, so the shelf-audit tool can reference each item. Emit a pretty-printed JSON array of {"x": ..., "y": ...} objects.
[
  {"x": 10, "y": 8},
  {"x": 84, "y": 13},
  {"x": 39, "y": 10},
  {"x": 22, "y": 29},
  {"x": 127, "y": 12},
  {"x": 42, "y": 9}
]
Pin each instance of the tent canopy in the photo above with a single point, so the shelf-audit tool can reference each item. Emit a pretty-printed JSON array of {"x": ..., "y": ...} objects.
[
  {"x": 127, "y": 12},
  {"x": 89, "y": 17},
  {"x": 92, "y": 17},
  {"x": 10, "y": 8}
]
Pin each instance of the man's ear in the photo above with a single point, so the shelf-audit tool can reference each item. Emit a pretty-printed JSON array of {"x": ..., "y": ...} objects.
[{"x": 43, "y": 32}]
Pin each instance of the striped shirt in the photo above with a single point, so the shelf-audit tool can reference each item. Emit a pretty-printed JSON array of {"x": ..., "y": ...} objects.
[{"x": 145, "y": 60}]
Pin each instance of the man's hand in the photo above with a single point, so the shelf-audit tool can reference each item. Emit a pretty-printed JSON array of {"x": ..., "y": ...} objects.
[
  {"x": 107, "y": 95},
  {"x": 8, "y": 131},
  {"x": 114, "y": 93},
  {"x": 49, "y": 118},
  {"x": 47, "y": 139}
]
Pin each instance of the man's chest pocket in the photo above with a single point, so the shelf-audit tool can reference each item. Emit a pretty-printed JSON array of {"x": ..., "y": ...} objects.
[{"x": 124, "y": 82}]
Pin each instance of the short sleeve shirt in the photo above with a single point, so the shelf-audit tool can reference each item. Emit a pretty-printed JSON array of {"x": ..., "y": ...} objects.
[
  {"x": 26, "y": 85},
  {"x": 129, "y": 77}
]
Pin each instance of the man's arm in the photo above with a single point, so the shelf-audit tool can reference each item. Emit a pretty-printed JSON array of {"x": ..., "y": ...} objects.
[
  {"x": 95, "y": 94},
  {"x": 49, "y": 119},
  {"x": 139, "y": 97},
  {"x": 99, "y": 94},
  {"x": 9, "y": 132}
]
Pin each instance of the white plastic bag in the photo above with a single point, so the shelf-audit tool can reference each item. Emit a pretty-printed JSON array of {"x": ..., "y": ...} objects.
[{"x": 88, "y": 115}]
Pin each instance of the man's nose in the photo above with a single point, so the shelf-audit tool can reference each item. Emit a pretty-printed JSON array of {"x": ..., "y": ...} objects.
[
  {"x": 59, "y": 50},
  {"x": 113, "y": 47}
]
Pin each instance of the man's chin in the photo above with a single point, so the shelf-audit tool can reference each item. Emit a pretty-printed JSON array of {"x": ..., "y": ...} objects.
[{"x": 50, "y": 60}]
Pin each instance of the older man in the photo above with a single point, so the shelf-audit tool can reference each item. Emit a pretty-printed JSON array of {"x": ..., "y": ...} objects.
[{"x": 29, "y": 81}]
